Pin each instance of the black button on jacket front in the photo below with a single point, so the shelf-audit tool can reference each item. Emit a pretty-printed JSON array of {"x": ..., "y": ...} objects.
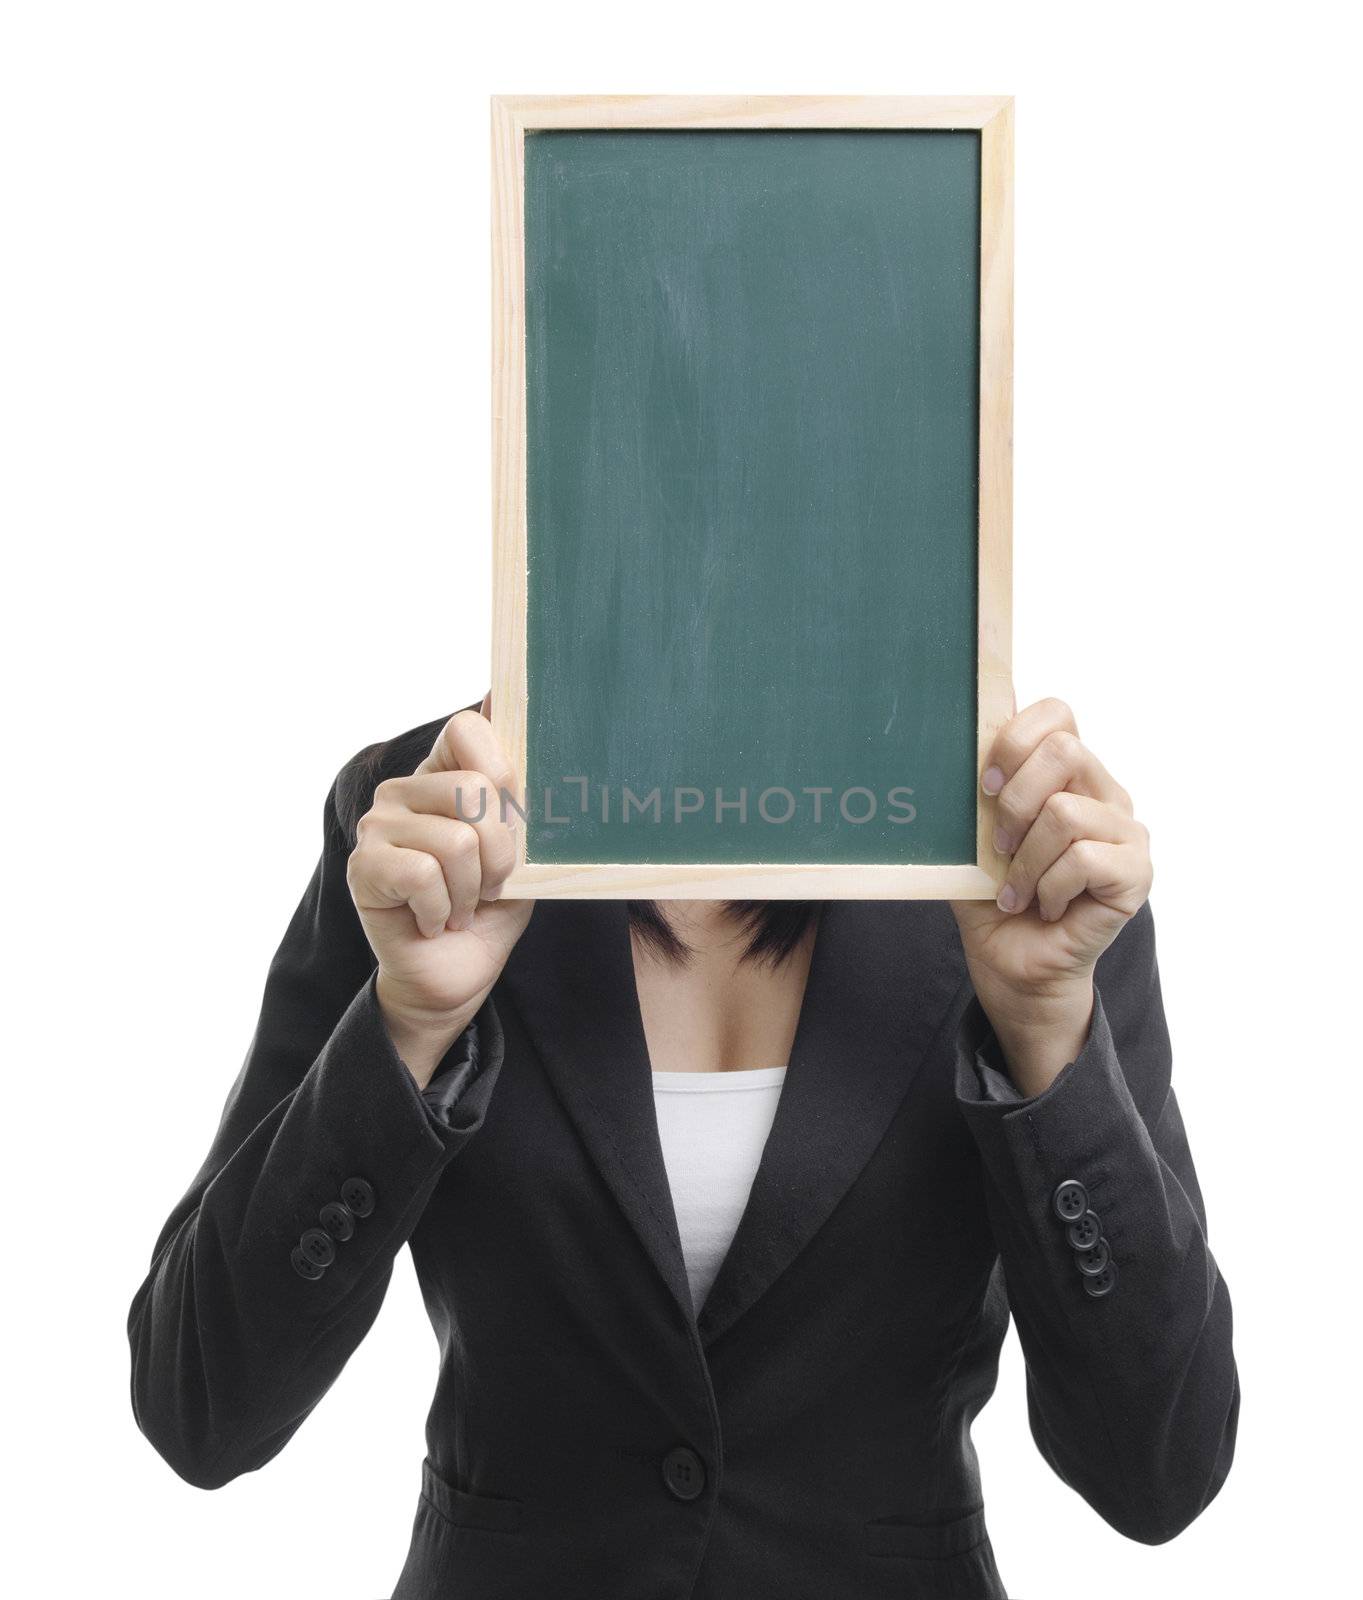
[{"x": 805, "y": 1435}]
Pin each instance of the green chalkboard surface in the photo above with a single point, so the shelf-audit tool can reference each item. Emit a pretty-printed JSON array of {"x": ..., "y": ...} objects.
[{"x": 752, "y": 414}]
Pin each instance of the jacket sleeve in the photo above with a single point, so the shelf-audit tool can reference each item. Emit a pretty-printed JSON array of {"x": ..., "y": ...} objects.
[
  {"x": 272, "y": 1267},
  {"x": 1123, "y": 1316}
]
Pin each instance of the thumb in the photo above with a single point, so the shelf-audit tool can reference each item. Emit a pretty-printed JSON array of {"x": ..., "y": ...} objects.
[{"x": 467, "y": 742}]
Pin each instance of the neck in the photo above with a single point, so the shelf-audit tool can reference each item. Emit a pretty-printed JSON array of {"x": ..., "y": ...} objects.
[{"x": 716, "y": 1012}]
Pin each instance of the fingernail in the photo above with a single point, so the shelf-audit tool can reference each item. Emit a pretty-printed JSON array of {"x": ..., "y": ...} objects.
[
  {"x": 1008, "y": 898},
  {"x": 1002, "y": 843},
  {"x": 992, "y": 781}
]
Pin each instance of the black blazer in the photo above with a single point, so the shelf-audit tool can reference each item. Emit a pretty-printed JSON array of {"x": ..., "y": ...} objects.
[{"x": 806, "y": 1436}]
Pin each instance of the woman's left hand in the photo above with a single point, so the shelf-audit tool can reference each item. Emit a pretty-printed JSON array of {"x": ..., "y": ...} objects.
[{"x": 1080, "y": 870}]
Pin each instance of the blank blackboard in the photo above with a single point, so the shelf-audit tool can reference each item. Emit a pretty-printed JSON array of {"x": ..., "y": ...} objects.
[{"x": 751, "y": 403}]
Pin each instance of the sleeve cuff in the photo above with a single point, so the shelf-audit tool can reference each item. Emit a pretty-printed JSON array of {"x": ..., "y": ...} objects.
[
  {"x": 453, "y": 1075},
  {"x": 360, "y": 1133},
  {"x": 992, "y": 1076},
  {"x": 1083, "y": 1133},
  {"x": 367, "y": 1087},
  {"x": 982, "y": 1076}
]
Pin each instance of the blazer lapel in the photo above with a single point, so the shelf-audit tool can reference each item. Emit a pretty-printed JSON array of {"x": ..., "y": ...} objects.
[
  {"x": 879, "y": 992},
  {"x": 571, "y": 979}
]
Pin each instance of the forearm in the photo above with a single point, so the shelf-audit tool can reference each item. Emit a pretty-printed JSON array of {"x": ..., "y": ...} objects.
[
  {"x": 1132, "y": 1384},
  {"x": 274, "y": 1267}
]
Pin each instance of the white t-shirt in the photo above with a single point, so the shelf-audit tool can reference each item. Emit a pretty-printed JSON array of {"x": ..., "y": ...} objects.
[{"x": 713, "y": 1126}]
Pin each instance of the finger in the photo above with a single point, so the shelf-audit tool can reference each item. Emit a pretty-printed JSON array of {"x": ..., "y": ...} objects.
[
  {"x": 383, "y": 877},
  {"x": 1115, "y": 875},
  {"x": 457, "y": 848},
  {"x": 466, "y": 797},
  {"x": 1060, "y": 761},
  {"x": 1019, "y": 736},
  {"x": 485, "y": 710},
  {"x": 467, "y": 743},
  {"x": 1064, "y": 818}
]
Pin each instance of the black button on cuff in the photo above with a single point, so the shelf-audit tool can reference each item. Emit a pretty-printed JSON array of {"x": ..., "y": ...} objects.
[
  {"x": 304, "y": 1267},
  {"x": 1070, "y": 1200},
  {"x": 1084, "y": 1232},
  {"x": 1102, "y": 1283},
  {"x": 1091, "y": 1262},
  {"x": 359, "y": 1196},
  {"x": 338, "y": 1219},
  {"x": 683, "y": 1473},
  {"x": 317, "y": 1247}
]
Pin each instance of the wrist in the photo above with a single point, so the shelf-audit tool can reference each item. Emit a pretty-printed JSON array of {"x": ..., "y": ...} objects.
[
  {"x": 421, "y": 1037},
  {"x": 1039, "y": 1035}
]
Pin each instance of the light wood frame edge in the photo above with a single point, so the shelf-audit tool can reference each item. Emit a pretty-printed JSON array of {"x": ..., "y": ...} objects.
[{"x": 512, "y": 117}]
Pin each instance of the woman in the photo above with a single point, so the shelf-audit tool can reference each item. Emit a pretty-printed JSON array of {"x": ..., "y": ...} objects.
[{"x": 975, "y": 1119}]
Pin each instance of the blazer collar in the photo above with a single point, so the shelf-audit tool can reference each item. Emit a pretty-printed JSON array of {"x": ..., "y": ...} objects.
[{"x": 880, "y": 986}]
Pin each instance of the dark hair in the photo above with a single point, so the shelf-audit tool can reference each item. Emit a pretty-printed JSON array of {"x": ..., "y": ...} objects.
[{"x": 773, "y": 928}]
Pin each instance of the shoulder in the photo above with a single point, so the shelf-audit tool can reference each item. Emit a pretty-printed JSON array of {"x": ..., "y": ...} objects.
[{"x": 352, "y": 792}]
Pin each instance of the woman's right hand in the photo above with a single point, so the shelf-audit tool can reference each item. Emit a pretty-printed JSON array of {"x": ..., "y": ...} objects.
[{"x": 425, "y": 883}]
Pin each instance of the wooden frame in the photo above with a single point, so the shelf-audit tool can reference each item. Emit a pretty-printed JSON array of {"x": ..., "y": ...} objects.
[{"x": 512, "y": 117}]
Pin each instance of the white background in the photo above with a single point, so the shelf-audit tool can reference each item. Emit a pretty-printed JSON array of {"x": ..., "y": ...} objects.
[{"x": 245, "y": 478}]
